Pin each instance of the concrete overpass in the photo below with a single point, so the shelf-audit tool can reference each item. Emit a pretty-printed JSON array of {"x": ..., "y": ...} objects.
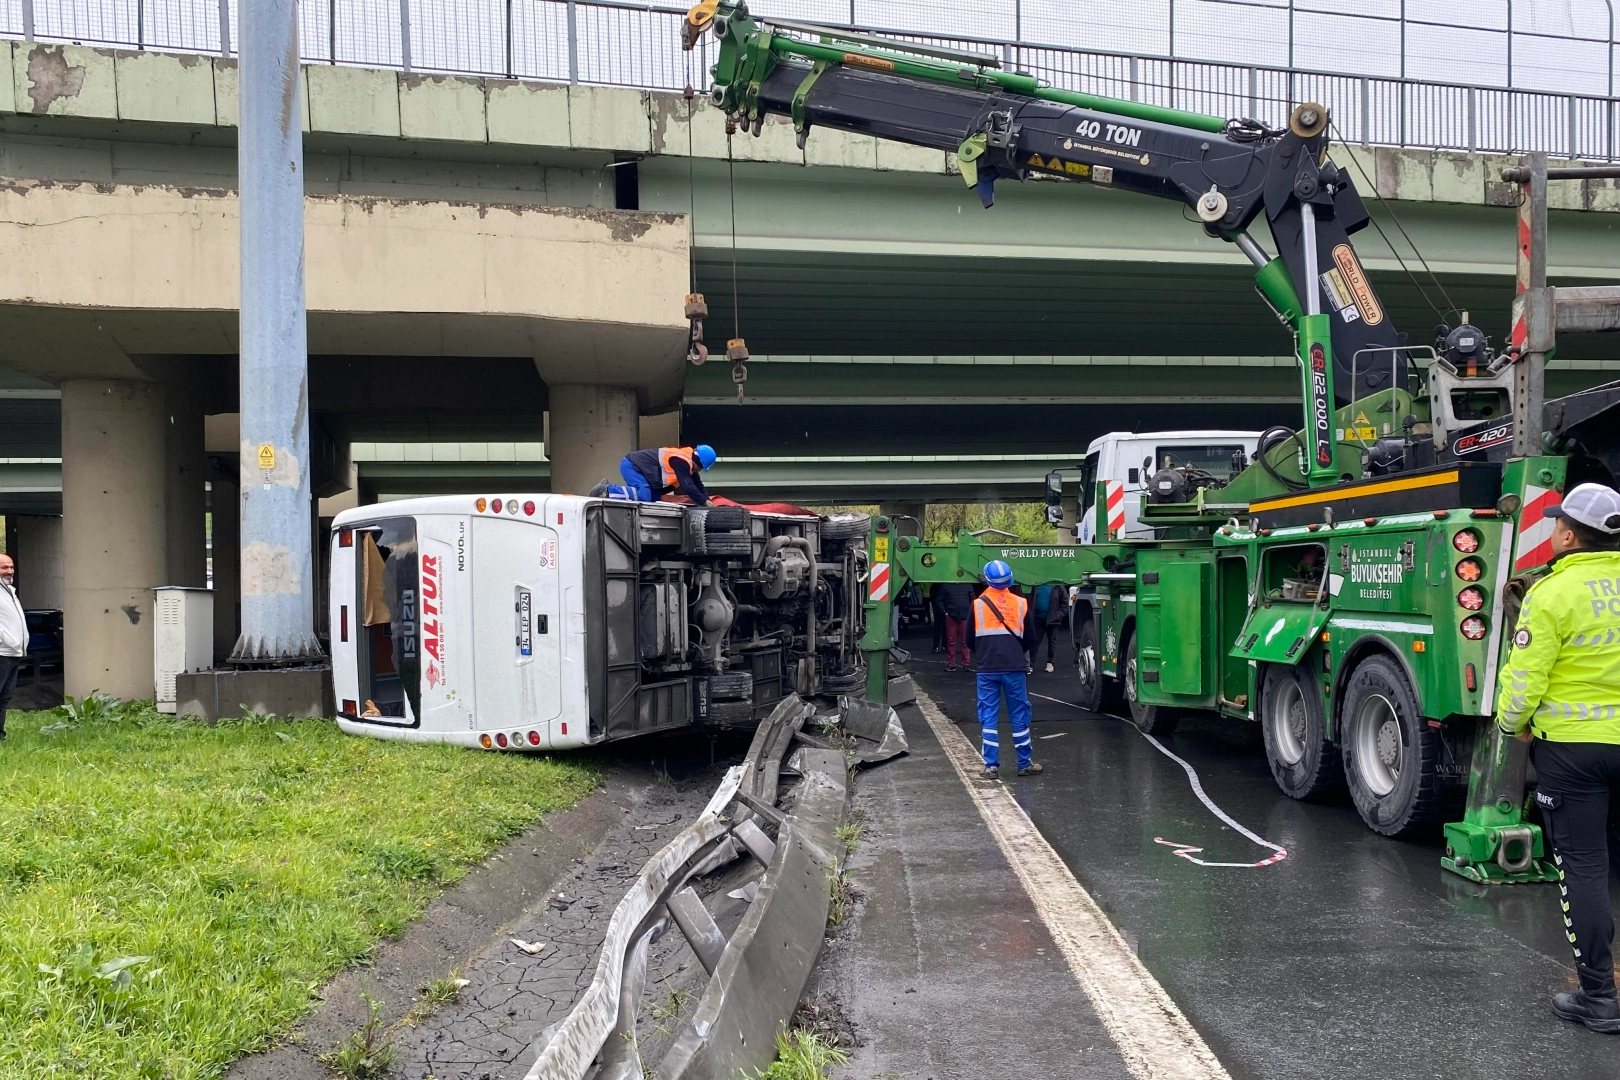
[{"x": 489, "y": 260}]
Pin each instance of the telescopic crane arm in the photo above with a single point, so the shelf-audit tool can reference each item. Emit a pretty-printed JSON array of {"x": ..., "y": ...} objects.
[{"x": 1005, "y": 125}]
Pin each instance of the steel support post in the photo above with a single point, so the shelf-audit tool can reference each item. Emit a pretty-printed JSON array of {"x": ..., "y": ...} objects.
[
  {"x": 278, "y": 587},
  {"x": 1532, "y": 317}
]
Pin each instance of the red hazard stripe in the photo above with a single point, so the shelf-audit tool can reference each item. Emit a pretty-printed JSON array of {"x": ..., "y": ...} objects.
[{"x": 1534, "y": 511}]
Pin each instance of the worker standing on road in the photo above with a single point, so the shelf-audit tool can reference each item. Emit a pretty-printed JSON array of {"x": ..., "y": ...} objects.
[
  {"x": 1561, "y": 689},
  {"x": 652, "y": 472},
  {"x": 1001, "y": 625}
]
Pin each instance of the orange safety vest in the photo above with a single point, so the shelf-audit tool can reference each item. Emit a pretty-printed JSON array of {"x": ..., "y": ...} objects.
[
  {"x": 1011, "y": 607},
  {"x": 666, "y": 454}
]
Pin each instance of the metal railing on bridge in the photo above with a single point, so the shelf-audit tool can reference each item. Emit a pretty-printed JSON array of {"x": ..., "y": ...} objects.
[{"x": 609, "y": 42}]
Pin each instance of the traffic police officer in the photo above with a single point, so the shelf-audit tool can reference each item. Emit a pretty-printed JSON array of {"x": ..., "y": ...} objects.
[
  {"x": 1000, "y": 628},
  {"x": 650, "y": 473},
  {"x": 1561, "y": 689}
]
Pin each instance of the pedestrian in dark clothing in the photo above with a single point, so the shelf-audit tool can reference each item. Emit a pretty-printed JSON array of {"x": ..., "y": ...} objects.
[
  {"x": 1051, "y": 610},
  {"x": 956, "y": 597},
  {"x": 936, "y": 615}
]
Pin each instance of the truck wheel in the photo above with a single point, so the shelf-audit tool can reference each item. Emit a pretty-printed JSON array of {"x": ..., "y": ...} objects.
[
  {"x": 845, "y": 526},
  {"x": 848, "y": 683},
  {"x": 1389, "y": 751},
  {"x": 1293, "y": 723},
  {"x": 1098, "y": 692},
  {"x": 731, "y": 685},
  {"x": 1149, "y": 719},
  {"x": 725, "y": 519}
]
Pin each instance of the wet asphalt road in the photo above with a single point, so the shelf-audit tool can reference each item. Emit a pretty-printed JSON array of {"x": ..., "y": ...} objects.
[{"x": 1356, "y": 957}]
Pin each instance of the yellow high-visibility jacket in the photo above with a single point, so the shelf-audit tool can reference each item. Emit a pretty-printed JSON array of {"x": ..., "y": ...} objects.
[{"x": 1562, "y": 676}]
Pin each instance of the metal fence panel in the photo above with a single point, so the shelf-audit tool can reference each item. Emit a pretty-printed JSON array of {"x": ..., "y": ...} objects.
[{"x": 1226, "y": 57}]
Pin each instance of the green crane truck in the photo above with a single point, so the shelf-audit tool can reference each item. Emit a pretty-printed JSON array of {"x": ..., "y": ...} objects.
[{"x": 1352, "y": 588}]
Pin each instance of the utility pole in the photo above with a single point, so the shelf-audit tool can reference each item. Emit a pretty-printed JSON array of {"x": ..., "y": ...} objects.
[
  {"x": 1533, "y": 325},
  {"x": 277, "y": 575}
]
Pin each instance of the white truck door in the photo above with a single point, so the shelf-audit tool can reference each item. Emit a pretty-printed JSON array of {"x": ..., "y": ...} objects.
[{"x": 516, "y": 637}]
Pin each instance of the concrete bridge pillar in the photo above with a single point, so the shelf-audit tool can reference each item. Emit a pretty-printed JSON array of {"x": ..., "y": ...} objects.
[
  {"x": 114, "y": 524},
  {"x": 592, "y": 428}
]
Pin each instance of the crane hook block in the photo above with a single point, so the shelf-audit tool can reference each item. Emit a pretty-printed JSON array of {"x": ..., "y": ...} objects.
[
  {"x": 736, "y": 350},
  {"x": 697, "y": 20},
  {"x": 695, "y": 307}
]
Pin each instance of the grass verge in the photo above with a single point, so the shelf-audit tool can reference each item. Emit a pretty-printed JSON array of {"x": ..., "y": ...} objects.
[
  {"x": 173, "y": 895},
  {"x": 803, "y": 1055}
]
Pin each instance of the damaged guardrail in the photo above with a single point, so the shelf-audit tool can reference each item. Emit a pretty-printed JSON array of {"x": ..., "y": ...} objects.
[{"x": 759, "y": 972}]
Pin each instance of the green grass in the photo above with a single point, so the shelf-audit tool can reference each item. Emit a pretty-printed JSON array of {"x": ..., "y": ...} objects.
[
  {"x": 247, "y": 863},
  {"x": 803, "y": 1055}
]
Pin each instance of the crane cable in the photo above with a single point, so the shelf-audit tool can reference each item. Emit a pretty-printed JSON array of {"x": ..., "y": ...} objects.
[{"x": 1373, "y": 187}]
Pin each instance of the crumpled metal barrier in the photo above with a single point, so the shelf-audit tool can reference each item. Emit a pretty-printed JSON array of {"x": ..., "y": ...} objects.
[
  {"x": 767, "y": 962},
  {"x": 598, "y": 1037},
  {"x": 872, "y": 723}
]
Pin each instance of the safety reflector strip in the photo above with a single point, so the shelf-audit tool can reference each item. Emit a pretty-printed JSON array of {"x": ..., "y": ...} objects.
[
  {"x": 878, "y": 587},
  {"x": 1116, "y": 507},
  {"x": 1535, "y": 529}
]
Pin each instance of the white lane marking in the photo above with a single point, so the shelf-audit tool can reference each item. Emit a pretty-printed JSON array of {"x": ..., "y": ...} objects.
[
  {"x": 1155, "y": 1041},
  {"x": 1187, "y": 851},
  {"x": 1059, "y": 735}
]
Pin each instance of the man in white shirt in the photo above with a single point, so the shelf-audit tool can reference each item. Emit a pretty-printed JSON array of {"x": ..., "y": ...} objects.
[{"x": 13, "y": 635}]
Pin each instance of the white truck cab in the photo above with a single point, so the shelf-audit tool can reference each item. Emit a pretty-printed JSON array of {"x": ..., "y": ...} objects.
[
  {"x": 540, "y": 622},
  {"x": 1126, "y": 460}
]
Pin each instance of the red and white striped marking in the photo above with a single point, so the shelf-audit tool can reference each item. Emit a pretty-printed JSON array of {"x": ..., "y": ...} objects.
[
  {"x": 1535, "y": 529},
  {"x": 878, "y": 587},
  {"x": 1116, "y": 507}
]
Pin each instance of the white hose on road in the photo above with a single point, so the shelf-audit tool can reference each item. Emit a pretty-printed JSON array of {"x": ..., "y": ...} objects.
[{"x": 1187, "y": 851}]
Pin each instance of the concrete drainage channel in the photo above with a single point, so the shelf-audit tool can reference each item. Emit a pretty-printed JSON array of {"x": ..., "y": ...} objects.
[{"x": 757, "y": 973}]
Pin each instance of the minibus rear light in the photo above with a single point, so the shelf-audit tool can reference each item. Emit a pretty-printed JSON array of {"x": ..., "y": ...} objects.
[
  {"x": 500, "y": 739},
  {"x": 534, "y": 738},
  {"x": 350, "y": 707},
  {"x": 345, "y": 538},
  {"x": 485, "y": 741},
  {"x": 528, "y": 508}
]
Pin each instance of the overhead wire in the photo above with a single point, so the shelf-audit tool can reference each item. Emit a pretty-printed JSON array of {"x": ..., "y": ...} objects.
[{"x": 1451, "y": 308}]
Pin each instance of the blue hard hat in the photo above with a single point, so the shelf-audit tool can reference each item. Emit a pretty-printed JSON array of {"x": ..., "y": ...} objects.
[
  {"x": 705, "y": 455},
  {"x": 997, "y": 574}
]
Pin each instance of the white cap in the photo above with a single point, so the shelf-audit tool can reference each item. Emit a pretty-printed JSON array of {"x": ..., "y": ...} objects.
[{"x": 1593, "y": 505}]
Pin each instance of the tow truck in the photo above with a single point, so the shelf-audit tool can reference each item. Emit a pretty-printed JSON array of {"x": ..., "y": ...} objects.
[{"x": 1351, "y": 589}]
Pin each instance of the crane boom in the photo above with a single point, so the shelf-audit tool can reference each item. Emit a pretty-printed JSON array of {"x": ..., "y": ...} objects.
[{"x": 1008, "y": 125}]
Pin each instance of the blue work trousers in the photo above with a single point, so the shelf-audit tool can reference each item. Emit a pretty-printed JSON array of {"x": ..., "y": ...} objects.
[
  {"x": 635, "y": 481},
  {"x": 993, "y": 686}
]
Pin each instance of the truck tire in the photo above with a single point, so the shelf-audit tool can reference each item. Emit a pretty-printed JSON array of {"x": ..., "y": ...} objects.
[
  {"x": 846, "y": 526},
  {"x": 726, "y": 713},
  {"x": 1098, "y": 693},
  {"x": 1293, "y": 723},
  {"x": 727, "y": 544},
  {"x": 849, "y": 683},
  {"x": 1390, "y": 752},
  {"x": 1149, "y": 719},
  {"x": 725, "y": 519},
  {"x": 731, "y": 685}
]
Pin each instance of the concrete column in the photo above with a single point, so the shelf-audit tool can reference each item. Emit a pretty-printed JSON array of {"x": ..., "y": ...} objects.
[
  {"x": 185, "y": 470},
  {"x": 592, "y": 428},
  {"x": 114, "y": 532},
  {"x": 39, "y": 559},
  {"x": 916, "y": 510},
  {"x": 226, "y": 505},
  {"x": 660, "y": 429}
]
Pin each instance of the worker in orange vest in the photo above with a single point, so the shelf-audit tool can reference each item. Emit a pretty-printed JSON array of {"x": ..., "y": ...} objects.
[
  {"x": 1001, "y": 625},
  {"x": 650, "y": 473}
]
